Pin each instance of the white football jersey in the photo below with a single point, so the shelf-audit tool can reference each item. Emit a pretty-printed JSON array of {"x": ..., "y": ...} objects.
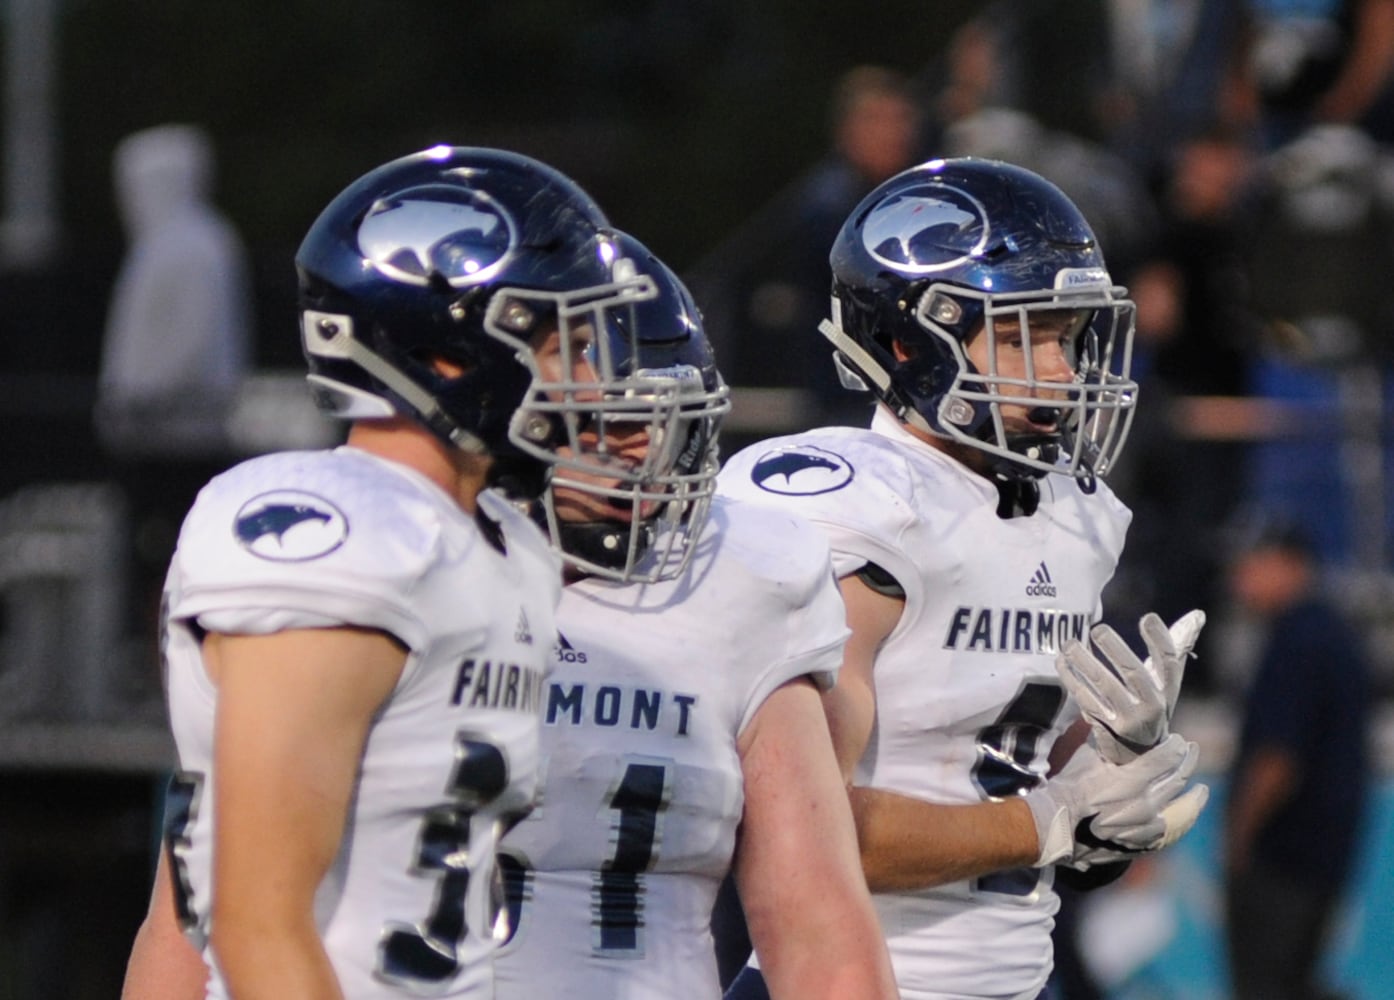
[
  {"x": 612, "y": 878},
  {"x": 312, "y": 539},
  {"x": 968, "y": 700}
]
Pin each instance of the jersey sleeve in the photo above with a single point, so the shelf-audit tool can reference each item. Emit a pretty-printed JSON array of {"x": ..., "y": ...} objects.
[
  {"x": 853, "y": 488},
  {"x": 305, "y": 541},
  {"x": 793, "y": 613}
]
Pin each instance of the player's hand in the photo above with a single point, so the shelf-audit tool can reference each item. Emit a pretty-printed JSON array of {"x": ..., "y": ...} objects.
[
  {"x": 1129, "y": 702},
  {"x": 1095, "y": 811}
]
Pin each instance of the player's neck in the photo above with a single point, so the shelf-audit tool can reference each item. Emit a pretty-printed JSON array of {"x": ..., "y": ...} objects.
[
  {"x": 406, "y": 442},
  {"x": 970, "y": 458}
]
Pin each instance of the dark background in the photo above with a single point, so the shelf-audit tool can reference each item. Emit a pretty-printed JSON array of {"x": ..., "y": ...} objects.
[{"x": 682, "y": 117}]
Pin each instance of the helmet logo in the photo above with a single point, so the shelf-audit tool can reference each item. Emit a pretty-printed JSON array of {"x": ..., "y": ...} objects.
[
  {"x": 801, "y": 471},
  {"x": 925, "y": 228},
  {"x": 437, "y": 232},
  {"x": 290, "y": 526}
]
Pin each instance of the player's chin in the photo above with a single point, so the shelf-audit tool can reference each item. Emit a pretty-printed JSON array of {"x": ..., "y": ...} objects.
[{"x": 1039, "y": 428}]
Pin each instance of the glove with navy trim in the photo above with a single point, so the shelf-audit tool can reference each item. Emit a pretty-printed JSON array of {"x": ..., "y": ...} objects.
[
  {"x": 1129, "y": 702},
  {"x": 1095, "y": 811}
]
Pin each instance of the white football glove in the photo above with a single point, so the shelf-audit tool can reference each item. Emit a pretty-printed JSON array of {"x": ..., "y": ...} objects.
[
  {"x": 1096, "y": 811},
  {"x": 1128, "y": 702}
]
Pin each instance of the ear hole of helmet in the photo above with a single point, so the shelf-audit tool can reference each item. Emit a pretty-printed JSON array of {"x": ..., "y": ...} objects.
[{"x": 446, "y": 368}]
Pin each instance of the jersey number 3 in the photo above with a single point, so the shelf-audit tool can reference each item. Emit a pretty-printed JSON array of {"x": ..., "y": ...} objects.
[{"x": 426, "y": 952}]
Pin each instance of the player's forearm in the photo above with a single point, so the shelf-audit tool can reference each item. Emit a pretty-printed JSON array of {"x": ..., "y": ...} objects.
[
  {"x": 163, "y": 964},
  {"x": 155, "y": 973},
  {"x": 806, "y": 905},
  {"x": 824, "y": 973},
  {"x": 826, "y": 946},
  {"x": 908, "y": 843},
  {"x": 267, "y": 962}
]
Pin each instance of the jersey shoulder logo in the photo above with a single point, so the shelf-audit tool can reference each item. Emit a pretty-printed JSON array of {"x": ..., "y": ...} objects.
[
  {"x": 801, "y": 470},
  {"x": 290, "y": 526}
]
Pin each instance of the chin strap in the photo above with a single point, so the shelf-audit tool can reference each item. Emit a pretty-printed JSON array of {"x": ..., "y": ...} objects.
[
  {"x": 867, "y": 368},
  {"x": 856, "y": 363},
  {"x": 491, "y": 530},
  {"x": 1017, "y": 497},
  {"x": 1044, "y": 448},
  {"x": 602, "y": 543},
  {"x": 1037, "y": 447},
  {"x": 331, "y": 335},
  {"x": 520, "y": 478}
]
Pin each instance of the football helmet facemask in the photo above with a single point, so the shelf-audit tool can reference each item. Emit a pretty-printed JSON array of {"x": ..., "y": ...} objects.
[
  {"x": 634, "y": 477},
  {"x": 463, "y": 256},
  {"x": 954, "y": 248}
]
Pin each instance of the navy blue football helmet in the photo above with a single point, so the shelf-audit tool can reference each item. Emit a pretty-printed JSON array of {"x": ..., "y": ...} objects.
[
  {"x": 659, "y": 382},
  {"x": 952, "y": 247},
  {"x": 457, "y": 254}
]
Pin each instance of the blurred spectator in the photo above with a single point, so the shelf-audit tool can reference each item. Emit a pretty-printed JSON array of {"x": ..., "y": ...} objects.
[
  {"x": 1143, "y": 74},
  {"x": 1112, "y": 196},
  {"x": 1197, "y": 331},
  {"x": 974, "y": 75},
  {"x": 874, "y": 123},
  {"x": 978, "y": 113},
  {"x": 1323, "y": 243},
  {"x": 1318, "y": 271},
  {"x": 1137, "y": 75},
  {"x": 177, "y": 336},
  {"x": 1301, "y": 777},
  {"x": 1166, "y": 75},
  {"x": 177, "y": 343},
  {"x": 1056, "y": 67},
  {"x": 1316, "y": 62},
  {"x": 768, "y": 287},
  {"x": 1195, "y": 337}
]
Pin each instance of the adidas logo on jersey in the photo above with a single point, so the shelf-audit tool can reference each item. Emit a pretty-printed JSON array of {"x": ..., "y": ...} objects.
[
  {"x": 563, "y": 651},
  {"x": 1041, "y": 584},
  {"x": 523, "y": 633}
]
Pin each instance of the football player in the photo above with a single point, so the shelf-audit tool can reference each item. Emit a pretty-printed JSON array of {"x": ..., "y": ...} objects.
[
  {"x": 683, "y": 735},
  {"x": 973, "y": 535},
  {"x": 357, "y": 640}
]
